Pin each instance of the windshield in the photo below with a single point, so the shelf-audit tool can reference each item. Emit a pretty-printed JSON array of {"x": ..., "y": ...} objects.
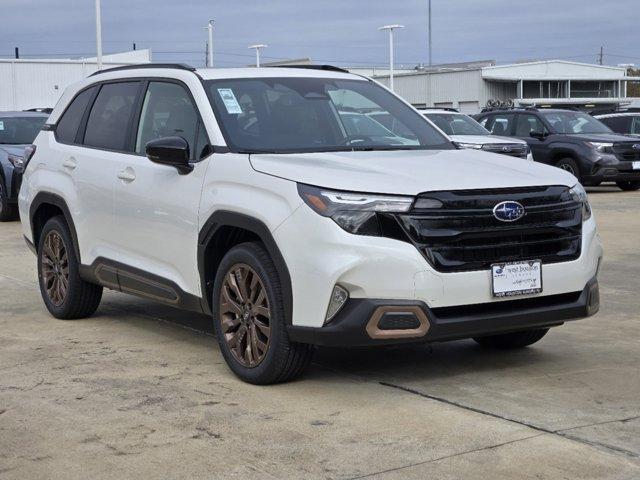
[
  {"x": 286, "y": 115},
  {"x": 575, "y": 122},
  {"x": 456, "y": 124},
  {"x": 20, "y": 130}
]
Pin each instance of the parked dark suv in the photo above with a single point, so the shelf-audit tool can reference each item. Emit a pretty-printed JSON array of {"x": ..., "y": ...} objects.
[
  {"x": 17, "y": 132},
  {"x": 573, "y": 141}
]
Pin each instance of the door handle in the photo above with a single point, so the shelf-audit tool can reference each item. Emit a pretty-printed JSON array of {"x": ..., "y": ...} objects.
[
  {"x": 70, "y": 163},
  {"x": 127, "y": 175}
]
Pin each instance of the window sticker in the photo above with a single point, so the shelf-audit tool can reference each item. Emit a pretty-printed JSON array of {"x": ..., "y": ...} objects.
[
  {"x": 229, "y": 99},
  {"x": 1, "y": 126}
]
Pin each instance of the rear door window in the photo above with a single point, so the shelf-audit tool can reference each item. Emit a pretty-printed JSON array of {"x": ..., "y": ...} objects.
[
  {"x": 618, "y": 124},
  {"x": 67, "y": 127},
  {"x": 109, "y": 120}
]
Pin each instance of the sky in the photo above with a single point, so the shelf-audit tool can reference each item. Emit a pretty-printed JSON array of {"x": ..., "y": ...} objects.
[{"x": 340, "y": 32}]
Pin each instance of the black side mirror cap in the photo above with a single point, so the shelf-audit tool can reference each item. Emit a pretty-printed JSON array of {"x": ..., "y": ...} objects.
[
  {"x": 539, "y": 135},
  {"x": 171, "y": 151}
]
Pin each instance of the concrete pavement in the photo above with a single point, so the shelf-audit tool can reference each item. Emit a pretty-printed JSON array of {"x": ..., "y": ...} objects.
[{"x": 131, "y": 392}]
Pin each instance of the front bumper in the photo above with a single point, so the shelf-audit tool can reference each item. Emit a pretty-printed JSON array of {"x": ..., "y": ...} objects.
[
  {"x": 319, "y": 255},
  {"x": 366, "y": 322},
  {"x": 612, "y": 173}
]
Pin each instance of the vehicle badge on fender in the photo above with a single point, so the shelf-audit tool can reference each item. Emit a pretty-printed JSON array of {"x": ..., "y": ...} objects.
[
  {"x": 509, "y": 211},
  {"x": 636, "y": 146}
]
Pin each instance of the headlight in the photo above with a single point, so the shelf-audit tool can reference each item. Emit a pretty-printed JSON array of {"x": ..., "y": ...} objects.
[
  {"x": 355, "y": 212},
  {"x": 580, "y": 195},
  {"x": 473, "y": 146},
  {"x": 600, "y": 146},
  {"x": 17, "y": 161}
]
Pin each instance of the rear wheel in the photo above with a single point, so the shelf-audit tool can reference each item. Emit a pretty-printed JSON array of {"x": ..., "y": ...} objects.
[
  {"x": 65, "y": 294},
  {"x": 629, "y": 185},
  {"x": 7, "y": 212},
  {"x": 508, "y": 341},
  {"x": 249, "y": 318},
  {"x": 569, "y": 165}
]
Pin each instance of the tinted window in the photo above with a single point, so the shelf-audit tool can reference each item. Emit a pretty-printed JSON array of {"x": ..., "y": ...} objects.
[
  {"x": 528, "y": 123},
  {"x": 635, "y": 128},
  {"x": 618, "y": 124},
  {"x": 501, "y": 124},
  {"x": 456, "y": 124},
  {"x": 67, "y": 127},
  {"x": 287, "y": 115},
  {"x": 574, "y": 122},
  {"x": 20, "y": 130},
  {"x": 167, "y": 111},
  {"x": 109, "y": 118}
]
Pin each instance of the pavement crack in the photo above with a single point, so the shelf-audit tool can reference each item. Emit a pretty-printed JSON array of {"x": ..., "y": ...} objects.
[
  {"x": 559, "y": 433},
  {"x": 446, "y": 457}
]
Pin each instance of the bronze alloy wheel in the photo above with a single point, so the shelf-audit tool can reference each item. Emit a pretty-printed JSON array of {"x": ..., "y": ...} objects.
[
  {"x": 245, "y": 315},
  {"x": 55, "y": 268}
]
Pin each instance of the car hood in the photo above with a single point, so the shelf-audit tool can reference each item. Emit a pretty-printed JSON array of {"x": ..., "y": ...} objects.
[
  {"x": 484, "y": 139},
  {"x": 410, "y": 172},
  {"x": 600, "y": 137},
  {"x": 13, "y": 149}
]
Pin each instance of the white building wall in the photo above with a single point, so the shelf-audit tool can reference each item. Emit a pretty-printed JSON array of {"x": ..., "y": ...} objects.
[{"x": 28, "y": 84}]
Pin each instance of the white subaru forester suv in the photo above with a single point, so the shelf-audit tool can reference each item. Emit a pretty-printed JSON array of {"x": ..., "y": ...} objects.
[{"x": 240, "y": 194}]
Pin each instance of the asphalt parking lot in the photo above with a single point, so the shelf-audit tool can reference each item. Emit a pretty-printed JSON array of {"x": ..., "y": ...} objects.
[{"x": 142, "y": 390}]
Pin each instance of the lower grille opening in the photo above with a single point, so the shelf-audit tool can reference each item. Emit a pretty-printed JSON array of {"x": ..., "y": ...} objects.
[{"x": 505, "y": 306}]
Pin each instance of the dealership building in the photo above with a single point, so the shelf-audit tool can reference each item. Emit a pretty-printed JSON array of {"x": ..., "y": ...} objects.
[
  {"x": 39, "y": 83},
  {"x": 554, "y": 83}
]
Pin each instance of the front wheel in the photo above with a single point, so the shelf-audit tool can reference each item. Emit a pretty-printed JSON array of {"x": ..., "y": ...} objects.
[
  {"x": 249, "y": 318},
  {"x": 513, "y": 340},
  {"x": 629, "y": 185},
  {"x": 569, "y": 165}
]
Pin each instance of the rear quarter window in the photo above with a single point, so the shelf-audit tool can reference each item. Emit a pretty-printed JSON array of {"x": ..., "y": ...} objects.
[{"x": 68, "y": 125}]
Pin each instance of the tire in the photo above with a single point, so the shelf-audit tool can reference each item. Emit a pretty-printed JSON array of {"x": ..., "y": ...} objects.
[
  {"x": 57, "y": 261},
  {"x": 629, "y": 185},
  {"x": 276, "y": 358},
  {"x": 507, "y": 341},
  {"x": 7, "y": 212},
  {"x": 569, "y": 165}
]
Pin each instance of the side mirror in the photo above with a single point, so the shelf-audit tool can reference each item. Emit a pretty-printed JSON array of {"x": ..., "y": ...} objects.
[
  {"x": 171, "y": 151},
  {"x": 538, "y": 134}
]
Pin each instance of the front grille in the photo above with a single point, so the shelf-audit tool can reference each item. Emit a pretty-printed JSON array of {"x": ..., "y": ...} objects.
[
  {"x": 512, "y": 149},
  {"x": 625, "y": 151},
  {"x": 464, "y": 234}
]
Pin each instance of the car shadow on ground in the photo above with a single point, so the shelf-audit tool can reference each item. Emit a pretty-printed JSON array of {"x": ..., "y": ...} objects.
[{"x": 418, "y": 361}]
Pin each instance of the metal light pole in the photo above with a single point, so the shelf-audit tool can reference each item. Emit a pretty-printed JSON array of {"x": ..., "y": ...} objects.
[
  {"x": 391, "y": 28},
  {"x": 257, "y": 49},
  {"x": 98, "y": 36},
  {"x": 210, "y": 44},
  {"x": 429, "y": 32}
]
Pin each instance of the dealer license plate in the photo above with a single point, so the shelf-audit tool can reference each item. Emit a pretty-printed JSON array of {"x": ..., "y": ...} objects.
[
  {"x": 635, "y": 165},
  {"x": 516, "y": 278}
]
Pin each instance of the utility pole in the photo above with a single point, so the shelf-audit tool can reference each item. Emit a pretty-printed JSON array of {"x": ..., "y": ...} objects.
[
  {"x": 390, "y": 29},
  {"x": 257, "y": 49},
  {"x": 601, "y": 56},
  {"x": 134, "y": 46},
  {"x": 98, "y": 35},
  {"x": 210, "y": 45},
  {"x": 17, "y": 53},
  {"x": 430, "y": 33}
]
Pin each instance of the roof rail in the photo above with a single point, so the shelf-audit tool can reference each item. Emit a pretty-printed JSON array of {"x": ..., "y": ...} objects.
[
  {"x": 328, "y": 68},
  {"x": 177, "y": 66}
]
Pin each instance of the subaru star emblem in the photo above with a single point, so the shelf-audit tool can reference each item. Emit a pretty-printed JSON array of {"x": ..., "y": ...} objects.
[
  {"x": 508, "y": 211},
  {"x": 506, "y": 149},
  {"x": 636, "y": 146}
]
